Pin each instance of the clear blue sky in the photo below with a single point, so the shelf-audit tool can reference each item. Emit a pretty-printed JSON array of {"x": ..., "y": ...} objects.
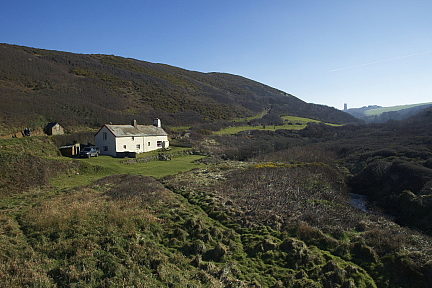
[{"x": 328, "y": 52}]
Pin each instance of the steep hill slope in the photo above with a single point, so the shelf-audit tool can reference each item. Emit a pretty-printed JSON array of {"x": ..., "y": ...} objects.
[{"x": 37, "y": 86}]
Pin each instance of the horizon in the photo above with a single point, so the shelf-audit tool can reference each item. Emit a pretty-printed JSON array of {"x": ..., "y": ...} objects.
[
  {"x": 378, "y": 106},
  {"x": 361, "y": 53}
]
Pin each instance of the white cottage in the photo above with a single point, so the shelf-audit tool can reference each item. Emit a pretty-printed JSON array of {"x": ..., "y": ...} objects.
[{"x": 120, "y": 140}]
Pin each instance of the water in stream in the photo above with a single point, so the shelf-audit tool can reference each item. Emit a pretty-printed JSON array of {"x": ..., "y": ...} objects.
[{"x": 359, "y": 201}]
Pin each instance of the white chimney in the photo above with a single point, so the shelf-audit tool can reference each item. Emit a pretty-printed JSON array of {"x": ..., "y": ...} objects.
[
  {"x": 134, "y": 123},
  {"x": 157, "y": 122}
]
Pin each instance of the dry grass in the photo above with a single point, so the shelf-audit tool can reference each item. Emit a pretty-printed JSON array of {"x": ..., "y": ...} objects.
[{"x": 20, "y": 266}]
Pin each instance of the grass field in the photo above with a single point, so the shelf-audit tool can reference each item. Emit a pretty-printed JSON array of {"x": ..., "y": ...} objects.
[
  {"x": 379, "y": 111},
  {"x": 98, "y": 167},
  {"x": 297, "y": 123}
]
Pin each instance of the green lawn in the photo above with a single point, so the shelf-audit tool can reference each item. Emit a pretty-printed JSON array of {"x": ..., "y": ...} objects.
[{"x": 98, "y": 167}]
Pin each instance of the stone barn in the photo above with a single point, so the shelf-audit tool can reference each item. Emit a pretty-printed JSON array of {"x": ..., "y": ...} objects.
[{"x": 54, "y": 129}]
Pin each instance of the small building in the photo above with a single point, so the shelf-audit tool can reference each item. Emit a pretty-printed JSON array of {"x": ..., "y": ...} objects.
[
  {"x": 54, "y": 129},
  {"x": 70, "y": 150},
  {"x": 125, "y": 140}
]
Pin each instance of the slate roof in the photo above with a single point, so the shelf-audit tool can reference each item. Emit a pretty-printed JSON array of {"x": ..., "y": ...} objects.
[
  {"x": 138, "y": 130},
  {"x": 51, "y": 124}
]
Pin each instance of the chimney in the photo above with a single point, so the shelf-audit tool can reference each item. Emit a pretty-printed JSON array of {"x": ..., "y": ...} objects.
[
  {"x": 157, "y": 122},
  {"x": 134, "y": 123}
]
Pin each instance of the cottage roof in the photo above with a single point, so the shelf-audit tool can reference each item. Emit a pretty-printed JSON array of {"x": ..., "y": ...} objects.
[
  {"x": 51, "y": 124},
  {"x": 138, "y": 130}
]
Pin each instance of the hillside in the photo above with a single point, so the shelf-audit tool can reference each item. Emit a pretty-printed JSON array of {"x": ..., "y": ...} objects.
[
  {"x": 39, "y": 86},
  {"x": 378, "y": 114}
]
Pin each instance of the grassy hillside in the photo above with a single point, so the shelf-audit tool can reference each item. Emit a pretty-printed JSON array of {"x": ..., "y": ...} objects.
[
  {"x": 39, "y": 86},
  {"x": 375, "y": 114},
  {"x": 289, "y": 123},
  {"x": 378, "y": 111}
]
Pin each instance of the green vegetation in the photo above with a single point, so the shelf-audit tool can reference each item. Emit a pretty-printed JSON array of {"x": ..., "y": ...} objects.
[
  {"x": 90, "y": 90},
  {"x": 377, "y": 114},
  {"x": 379, "y": 111},
  {"x": 234, "y": 130},
  {"x": 292, "y": 123},
  {"x": 95, "y": 168},
  {"x": 246, "y": 119},
  {"x": 267, "y": 208},
  {"x": 179, "y": 128},
  {"x": 279, "y": 218}
]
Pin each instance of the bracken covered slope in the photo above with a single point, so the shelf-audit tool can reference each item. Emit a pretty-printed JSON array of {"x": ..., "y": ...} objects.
[{"x": 39, "y": 85}]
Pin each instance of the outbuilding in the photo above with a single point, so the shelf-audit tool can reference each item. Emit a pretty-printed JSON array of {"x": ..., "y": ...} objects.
[
  {"x": 124, "y": 140},
  {"x": 70, "y": 150},
  {"x": 54, "y": 129}
]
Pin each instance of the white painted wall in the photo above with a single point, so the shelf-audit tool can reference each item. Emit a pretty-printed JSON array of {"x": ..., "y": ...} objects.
[
  {"x": 153, "y": 140},
  {"x": 117, "y": 144},
  {"x": 129, "y": 144},
  {"x": 109, "y": 142}
]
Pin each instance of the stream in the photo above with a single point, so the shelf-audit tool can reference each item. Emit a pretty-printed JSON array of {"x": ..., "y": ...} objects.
[{"x": 359, "y": 201}]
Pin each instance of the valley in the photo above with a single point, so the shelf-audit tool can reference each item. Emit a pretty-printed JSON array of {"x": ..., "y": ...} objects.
[
  {"x": 257, "y": 209},
  {"x": 253, "y": 192}
]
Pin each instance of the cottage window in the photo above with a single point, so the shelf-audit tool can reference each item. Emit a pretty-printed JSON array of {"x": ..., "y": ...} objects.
[
  {"x": 138, "y": 146},
  {"x": 159, "y": 143},
  {"x": 124, "y": 146},
  {"x": 105, "y": 148},
  {"x": 148, "y": 144},
  {"x": 133, "y": 138},
  {"x": 104, "y": 135}
]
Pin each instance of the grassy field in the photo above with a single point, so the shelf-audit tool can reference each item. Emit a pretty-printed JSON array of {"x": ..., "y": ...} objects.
[
  {"x": 379, "y": 111},
  {"x": 297, "y": 123},
  {"x": 13, "y": 150},
  {"x": 183, "y": 128},
  {"x": 98, "y": 167}
]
